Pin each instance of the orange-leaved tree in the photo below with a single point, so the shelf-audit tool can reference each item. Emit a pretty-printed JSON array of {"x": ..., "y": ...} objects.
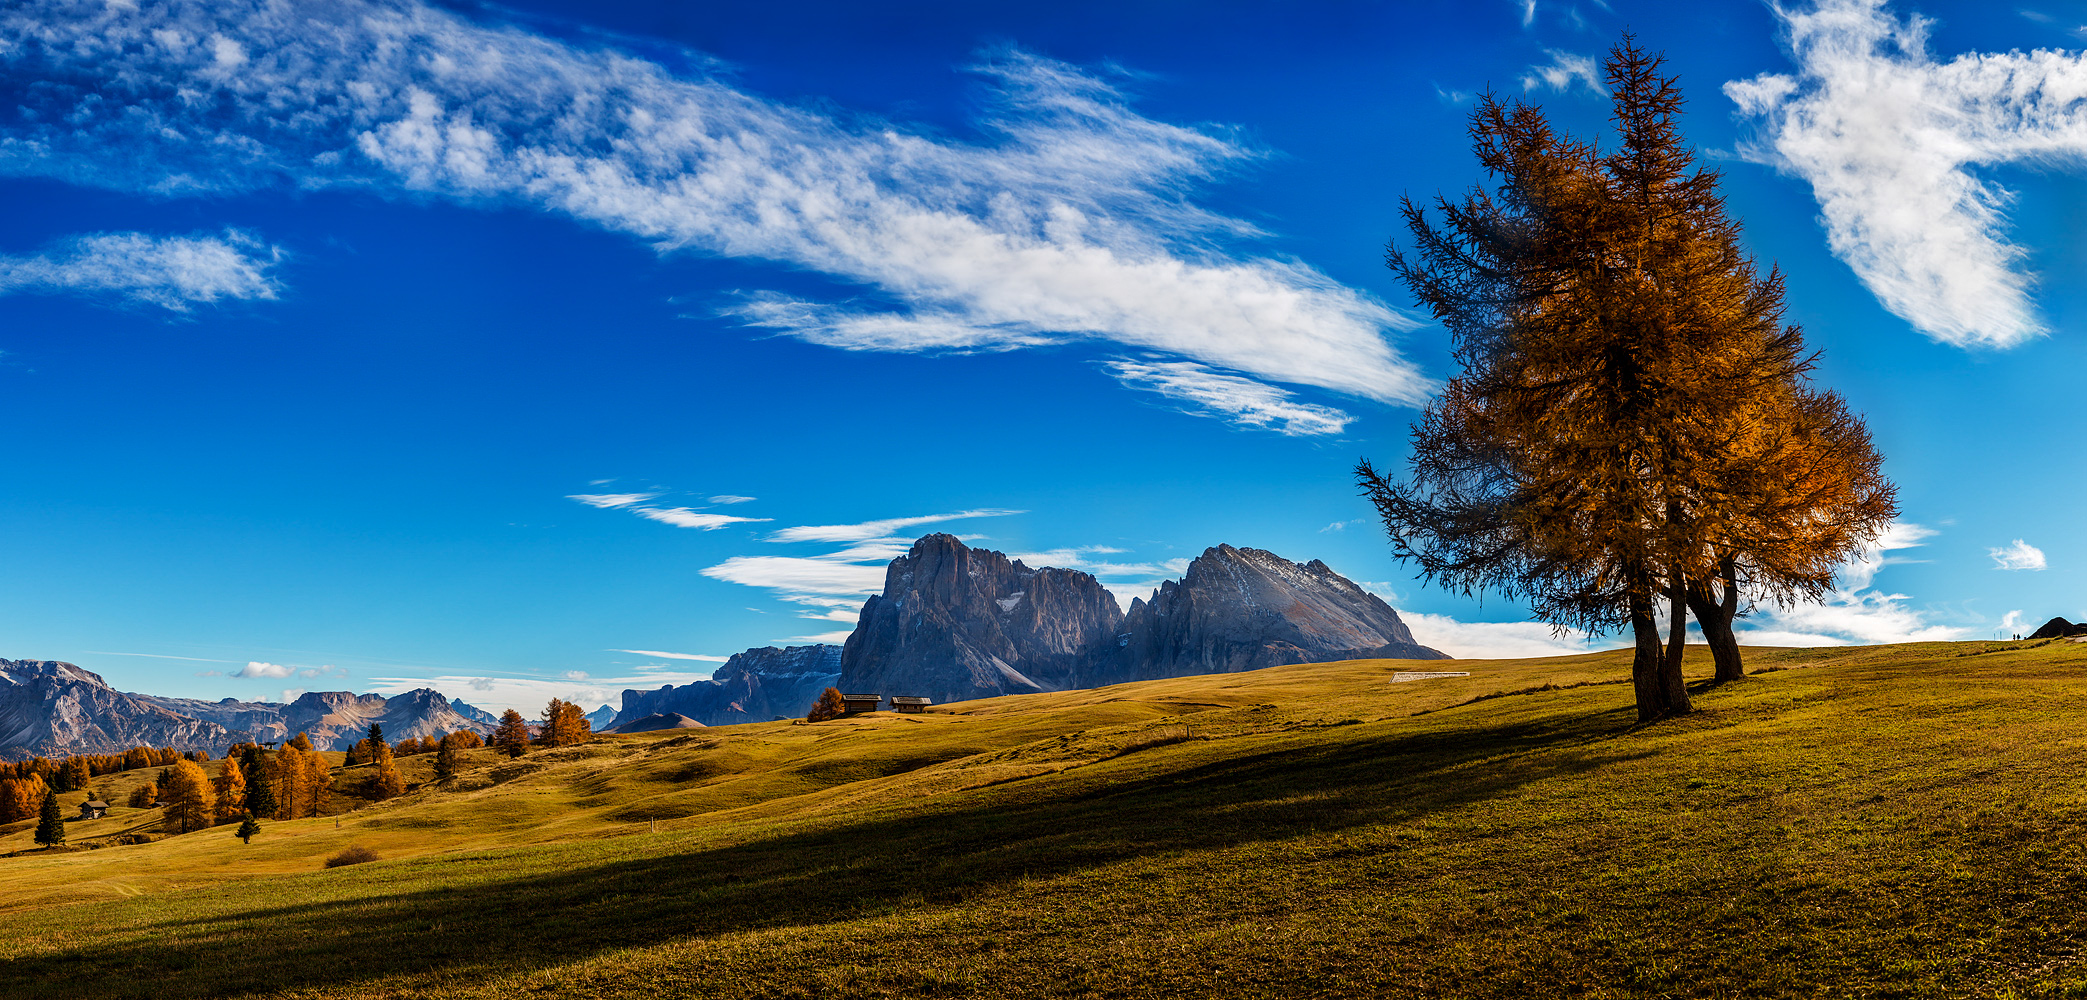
[
  {"x": 191, "y": 804},
  {"x": 1623, "y": 436},
  {"x": 512, "y": 736},
  {"x": 829, "y": 706}
]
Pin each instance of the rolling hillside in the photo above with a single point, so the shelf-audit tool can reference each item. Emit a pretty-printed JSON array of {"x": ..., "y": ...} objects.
[{"x": 1886, "y": 821}]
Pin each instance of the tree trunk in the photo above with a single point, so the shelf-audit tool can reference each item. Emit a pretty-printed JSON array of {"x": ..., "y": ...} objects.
[
  {"x": 1645, "y": 667},
  {"x": 1716, "y": 617},
  {"x": 1674, "y": 687}
]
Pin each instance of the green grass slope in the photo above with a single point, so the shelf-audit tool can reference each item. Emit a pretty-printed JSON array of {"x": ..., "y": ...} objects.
[{"x": 1886, "y": 821}]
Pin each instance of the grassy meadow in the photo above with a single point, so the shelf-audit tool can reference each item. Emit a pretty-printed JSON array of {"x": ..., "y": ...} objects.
[{"x": 1896, "y": 821}]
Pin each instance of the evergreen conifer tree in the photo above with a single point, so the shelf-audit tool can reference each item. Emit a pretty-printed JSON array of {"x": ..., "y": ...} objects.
[
  {"x": 50, "y": 826},
  {"x": 446, "y": 759},
  {"x": 247, "y": 829},
  {"x": 260, "y": 786}
]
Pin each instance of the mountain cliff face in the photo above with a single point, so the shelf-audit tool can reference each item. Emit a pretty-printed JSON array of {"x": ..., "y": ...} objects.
[
  {"x": 955, "y": 623},
  {"x": 754, "y": 686},
  {"x": 48, "y": 708},
  {"x": 334, "y": 719},
  {"x": 1244, "y": 609}
]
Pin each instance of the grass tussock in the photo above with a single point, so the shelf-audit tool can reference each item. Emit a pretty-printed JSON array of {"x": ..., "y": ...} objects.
[{"x": 354, "y": 855}]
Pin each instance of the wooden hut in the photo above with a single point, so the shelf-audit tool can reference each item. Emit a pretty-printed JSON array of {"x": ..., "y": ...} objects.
[
  {"x": 93, "y": 809},
  {"x": 861, "y": 702},
  {"x": 909, "y": 705}
]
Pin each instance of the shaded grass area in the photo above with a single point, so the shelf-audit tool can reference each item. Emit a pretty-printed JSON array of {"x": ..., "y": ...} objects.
[{"x": 1892, "y": 822}]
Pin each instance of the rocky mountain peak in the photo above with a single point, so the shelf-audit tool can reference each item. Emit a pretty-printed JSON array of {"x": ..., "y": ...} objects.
[{"x": 957, "y": 622}]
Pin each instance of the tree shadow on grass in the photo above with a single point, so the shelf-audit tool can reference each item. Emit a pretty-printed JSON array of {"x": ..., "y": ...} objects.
[{"x": 939, "y": 853}]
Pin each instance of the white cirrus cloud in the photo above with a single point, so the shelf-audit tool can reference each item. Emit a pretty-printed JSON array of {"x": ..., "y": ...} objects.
[
  {"x": 683, "y": 517},
  {"x": 680, "y": 517},
  {"x": 732, "y": 498},
  {"x": 172, "y": 272},
  {"x": 1243, "y": 401},
  {"x": 799, "y": 575},
  {"x": 2017, "y": 556},
  {"x": 1890, "y": 140},
  {"x": 705, "y": 657},
  {"x": 1071, "y": 216},
  {"x": 1564, "y": 71},
  {"x": 830, "y": 638},
  {"x": 867, "y": 531},
  {"x": 611, "y": 501}
]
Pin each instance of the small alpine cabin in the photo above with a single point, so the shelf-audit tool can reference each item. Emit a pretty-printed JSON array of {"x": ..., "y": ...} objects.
[
  {"x": 861, "y": 702},
  {"x": 910, "y": 706},
  {"x": 93, "y": 809}
]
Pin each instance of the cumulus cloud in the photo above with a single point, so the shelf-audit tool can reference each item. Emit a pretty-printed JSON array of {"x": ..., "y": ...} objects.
[
  {"x": 1856, "y": 612},
  {"x": 1498, "y": 640},
  {"x": 172, "y": 272},
  {"x": 256, "y": 668},
  {"x": 1070, "y": 218},
  {"x": 528, "y": 695},
  {"x": 2020, "y": 555},
  {"x": 1563, "y": 71},
  {"x": 1889, "y": 139},
  {"x": 1243, "y": 401},
  {"x": 680, "y": 517}
]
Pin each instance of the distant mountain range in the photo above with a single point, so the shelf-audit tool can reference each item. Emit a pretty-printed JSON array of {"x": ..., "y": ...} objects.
[
  {"x": 50, "y": 708},
  {"x": 953, "y": 623}
]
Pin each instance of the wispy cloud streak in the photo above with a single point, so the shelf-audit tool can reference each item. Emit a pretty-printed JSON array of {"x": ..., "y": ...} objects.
[
  {"x": 1242, "y": 401},
  {"x": 1071, "y": 219}
]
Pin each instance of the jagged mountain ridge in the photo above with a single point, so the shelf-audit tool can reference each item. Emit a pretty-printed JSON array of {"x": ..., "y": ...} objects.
[
  {"x": 754, "y": 686},
  {"x": 1244, "y": 609},
  {"x": 955, "y": 623},
  {"x": 48, "y": 707},
  {"x": 334, "y": 720}
]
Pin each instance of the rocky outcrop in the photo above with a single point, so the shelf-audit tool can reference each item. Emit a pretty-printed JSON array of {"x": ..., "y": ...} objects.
[
  {"x": 597, "y": 720},
  {"x": 956, "y": 623},
  {"x": 754, "y": 686},
  {"x": 476, "y": 714},
  {"x": 1244, "y": 609},
  {"x": 48, "y": 708},
  {"x": 2058, "y": 628}
]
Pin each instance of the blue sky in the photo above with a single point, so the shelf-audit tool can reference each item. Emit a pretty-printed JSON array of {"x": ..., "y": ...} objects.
[{"x": 511, "y": 349}]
